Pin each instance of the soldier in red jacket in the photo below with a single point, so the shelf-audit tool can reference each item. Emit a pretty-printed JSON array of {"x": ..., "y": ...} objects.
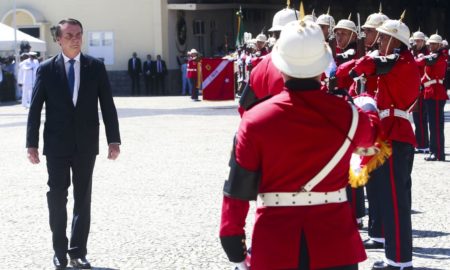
[
  {"x": 435, "y": 94},
  {"x": 192, "y": 73},
  {"x": 265, "y": 80},
  {"x": 368, "y": 86},
  {"x": 303, "y": 218},
  {"x": 419, "y": 49},
  {"x": 346, "y": 53},
  {"x": 398, "y": 89}
]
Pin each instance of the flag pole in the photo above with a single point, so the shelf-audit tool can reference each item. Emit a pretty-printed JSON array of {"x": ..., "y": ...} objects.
[{"x": 16, "y": 53}]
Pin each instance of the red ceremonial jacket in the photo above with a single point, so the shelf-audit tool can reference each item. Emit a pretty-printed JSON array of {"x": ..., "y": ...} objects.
[
  {"x": 192, "y": 68},
  {"x": 289, "y": 139},
  {"x": 261, "y": 55},
  {"x": 435, "y": 70},
  {"x": 343, "y": 79},
  {"x": 397, "y": 89},
  {"x": 266, "y": 79}
]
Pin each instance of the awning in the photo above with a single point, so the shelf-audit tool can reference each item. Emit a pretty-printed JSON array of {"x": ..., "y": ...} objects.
[{"x": 7, "y": 39}]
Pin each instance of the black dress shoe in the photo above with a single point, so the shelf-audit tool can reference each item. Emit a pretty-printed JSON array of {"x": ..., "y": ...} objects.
[
  {"x": 431, "y": 157},
  {"x": 380, "y": 265},
  {"x": 371, "y": 244},
  {"x": 80, "y": 263},
  {"x": 59, "y": 263}
]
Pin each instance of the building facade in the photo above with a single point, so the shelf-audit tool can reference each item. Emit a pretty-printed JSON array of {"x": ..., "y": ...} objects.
[{"x": 114, "y": 29}]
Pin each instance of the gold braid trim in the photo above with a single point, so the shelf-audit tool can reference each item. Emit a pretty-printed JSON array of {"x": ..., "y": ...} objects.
[{"x": 360, "y": 179}]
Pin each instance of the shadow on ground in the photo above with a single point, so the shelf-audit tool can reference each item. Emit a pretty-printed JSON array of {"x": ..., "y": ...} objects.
[
  {"x": 139, "y": 112},
  {"x": 428, "y": 234}
]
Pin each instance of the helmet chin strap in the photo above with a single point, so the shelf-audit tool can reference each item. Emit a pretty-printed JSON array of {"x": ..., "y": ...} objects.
[
  {"x": 389, "y": 44},
  {"x": 375, "y": 40},
  {"x": 348, "y": 42}
]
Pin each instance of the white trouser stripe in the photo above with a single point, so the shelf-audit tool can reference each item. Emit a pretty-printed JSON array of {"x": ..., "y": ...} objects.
[{"x": 396, "y": 264}]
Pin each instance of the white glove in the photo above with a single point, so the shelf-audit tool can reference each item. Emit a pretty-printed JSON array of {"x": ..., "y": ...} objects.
[
  {"x": 366, "y": 103},
  {"x": 350, "y": 52},
  {"x": 374, "y": 53}
]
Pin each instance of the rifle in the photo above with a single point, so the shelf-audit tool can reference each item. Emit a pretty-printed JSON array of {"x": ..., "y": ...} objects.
[{"x": 360, "y": 41}]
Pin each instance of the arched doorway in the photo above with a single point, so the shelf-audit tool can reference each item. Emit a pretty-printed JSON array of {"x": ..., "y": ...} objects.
[{"x": 28, "y": 21}]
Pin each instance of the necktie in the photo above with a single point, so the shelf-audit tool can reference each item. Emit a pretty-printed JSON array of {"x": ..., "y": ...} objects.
[{"x": 71, "y": 76}]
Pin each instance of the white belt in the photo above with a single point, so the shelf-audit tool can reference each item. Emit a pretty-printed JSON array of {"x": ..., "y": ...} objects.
[
  {"x": 397, "y": 113},
  {"x": 301, "y": 198},
  {"x": 431, "y": 82}
]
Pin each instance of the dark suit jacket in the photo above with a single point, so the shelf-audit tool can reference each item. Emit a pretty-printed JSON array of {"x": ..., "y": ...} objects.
[
  {"x": 163, "y": 66},
  {"x": 149, "y": 67},
  {"x": 71, "y": 129},
  {"x": 138, "y": 68}
]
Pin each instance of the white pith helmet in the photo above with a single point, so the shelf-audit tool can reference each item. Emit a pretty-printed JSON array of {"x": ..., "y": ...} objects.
[
  {"x": 396, "y": 29},
  {"x": 261, "y": 38},
  {"x": 310, "y": 17},
  {"x": 375, "y": 20},
  {"x": 193, "y": 51},
  {"x": 418, "y": 36},
  {"x": 282, "y": 17},
  {"x": 445, "y": 43},
  {"x": 345, "y": 24},
  {"x": 435, "y": 38},
  {"x": 326, "y": 19},
  {"x": 301, "y": 51}
]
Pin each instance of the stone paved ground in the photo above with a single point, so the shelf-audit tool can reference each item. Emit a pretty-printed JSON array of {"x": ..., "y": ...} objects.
[{"x": 158, "y": 205}]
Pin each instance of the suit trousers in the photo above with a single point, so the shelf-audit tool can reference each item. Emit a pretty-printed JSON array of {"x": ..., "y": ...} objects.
[
  {"x": 435, "y": 111},
  {"x": 149, "y": 84},
  {"x": 160, "y": 85},
  {"x": 393, "y": 180},
  {"x": 421, "y": 124},
  {"x": 135, "y": 84},
  {"x": 59, "y": 168}
]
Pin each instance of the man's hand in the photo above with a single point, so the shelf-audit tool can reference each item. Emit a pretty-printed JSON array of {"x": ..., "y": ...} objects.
[
  {"x": 113, "y": 151},
  {"x": 33, "y": 155}
]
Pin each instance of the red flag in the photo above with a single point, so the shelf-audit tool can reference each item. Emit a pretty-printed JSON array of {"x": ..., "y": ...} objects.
[{"x": 218, "y": 79}]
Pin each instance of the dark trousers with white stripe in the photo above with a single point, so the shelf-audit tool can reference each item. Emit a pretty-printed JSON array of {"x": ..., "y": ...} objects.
[
  {"x": 421, "y": 125},
  {"x": 435, "y": 111},
  {"x": 393, "y": 181}
]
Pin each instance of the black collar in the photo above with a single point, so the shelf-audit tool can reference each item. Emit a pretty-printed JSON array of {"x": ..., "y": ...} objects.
[{"x": 295, "y": 84}]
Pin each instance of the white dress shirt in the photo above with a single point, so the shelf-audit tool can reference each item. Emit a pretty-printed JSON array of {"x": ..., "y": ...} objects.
[{"x": 76, "y": 66}]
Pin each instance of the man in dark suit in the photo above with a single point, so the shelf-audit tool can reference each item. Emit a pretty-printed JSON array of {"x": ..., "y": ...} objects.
[
  {"x": 135, "y": 70},
  {"x": 71, "y": 84},
  {"x": 161, "y": 72},
  {"x": 149, "y": 75}
]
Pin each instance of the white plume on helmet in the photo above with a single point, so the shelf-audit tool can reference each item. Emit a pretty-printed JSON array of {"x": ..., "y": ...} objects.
[
  {"x": 301, "y": 51},
  {"x": 282, "y": 17}
]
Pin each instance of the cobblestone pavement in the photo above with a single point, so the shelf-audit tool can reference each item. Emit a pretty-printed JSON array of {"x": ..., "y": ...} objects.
[{"x": 158, "y": 205}]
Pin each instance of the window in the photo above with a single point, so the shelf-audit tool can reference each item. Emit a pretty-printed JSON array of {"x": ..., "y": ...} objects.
[{"x": 101, "y": 45}]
